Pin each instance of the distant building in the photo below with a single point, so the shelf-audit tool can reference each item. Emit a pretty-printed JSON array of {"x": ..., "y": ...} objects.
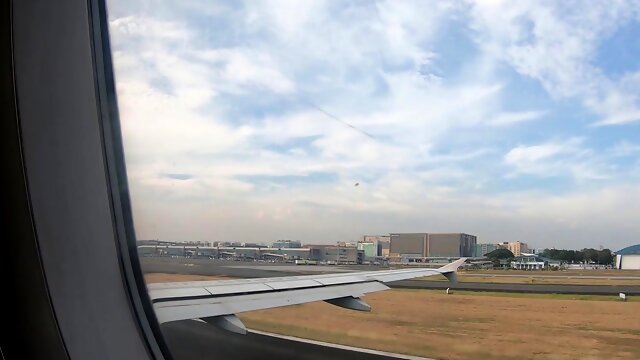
[
  {"x": 218, "y": 251},
  {"x": 287, "y": 244},
  {"x": 432, "y": 245},
  {"x": 380, "y": 242},
  {"x": 384, "y": 248},
  {"x": 155, "y": 242},
  {"x": 196, "y": 243},
  {"x": 517, "y": 248},
  {"x": 537, "y": 251},
  {"x": 628, "y": 258},
  {"x": 370, "y": 249},
  {"x": 483, "y": 249},
  {"x": 337, "y": 254},
  {"x": 347, "y": 244},
  {"x": 237, "y": 244},
  {"x": 375, "y": 238}
]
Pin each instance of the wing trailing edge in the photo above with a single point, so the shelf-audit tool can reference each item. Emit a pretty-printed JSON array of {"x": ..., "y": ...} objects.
[{"x": 217, "y": 302}]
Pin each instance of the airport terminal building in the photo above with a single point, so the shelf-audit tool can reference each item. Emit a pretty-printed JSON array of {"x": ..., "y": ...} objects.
[{"x": 421, "y": 245}]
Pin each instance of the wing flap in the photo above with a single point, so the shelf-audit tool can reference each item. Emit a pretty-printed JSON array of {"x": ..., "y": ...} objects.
[
  {"x": 292, "y": 284},
  {"x": 238, "y": 288},
  {"x": 178, "y": 292},
  {"x": 340, "y": 280}
]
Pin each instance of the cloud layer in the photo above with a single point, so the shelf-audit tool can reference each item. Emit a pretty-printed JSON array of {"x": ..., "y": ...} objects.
[{"x": 253, "y": 121}]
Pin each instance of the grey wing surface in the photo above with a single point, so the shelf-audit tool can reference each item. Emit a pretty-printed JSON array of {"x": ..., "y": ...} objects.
[{"x": 217, "y": 302}]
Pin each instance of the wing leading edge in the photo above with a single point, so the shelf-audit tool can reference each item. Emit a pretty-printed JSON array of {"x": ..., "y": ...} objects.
[{"x": 217, "y": 302}]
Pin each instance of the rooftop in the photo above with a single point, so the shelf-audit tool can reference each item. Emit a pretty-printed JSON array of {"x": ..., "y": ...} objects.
[{"x": 629, "y": 250}]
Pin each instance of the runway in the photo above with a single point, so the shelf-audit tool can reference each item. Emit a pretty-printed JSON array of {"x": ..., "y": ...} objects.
[
  {"x": 520, "y": 288},
  {"x": 195, "y": 340},
  {"x": 237, "y": 269},
  {"x": 537, "y": 275},
  {"x": 252, "y": 270}
]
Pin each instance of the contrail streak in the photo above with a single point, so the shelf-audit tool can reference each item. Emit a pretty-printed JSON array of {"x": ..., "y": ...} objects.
[{"x": 339, "y": 120}]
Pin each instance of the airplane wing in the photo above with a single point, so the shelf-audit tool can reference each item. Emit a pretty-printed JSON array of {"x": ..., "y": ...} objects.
[{"x": 217, "y": 302}]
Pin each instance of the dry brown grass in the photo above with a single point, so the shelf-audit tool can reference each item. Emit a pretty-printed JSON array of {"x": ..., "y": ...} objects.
[{"x": 461, "y": 326}]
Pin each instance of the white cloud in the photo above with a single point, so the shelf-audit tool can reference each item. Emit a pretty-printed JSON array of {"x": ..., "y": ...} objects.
[
  {"x": 192, "y": 104},
  {"x": 241, "y": 67},
  {"x": 124, "y": 28},
  {"x": 621, "y": 104},
  {"x": 625, "y": 148},
  {"x": 510, "y": 118},
  {"x": 534, "y": 153},
  {"x": 555, "y": 43},
  {"x": 620, "y": 117},
  {"x": 558, "y": 158}
]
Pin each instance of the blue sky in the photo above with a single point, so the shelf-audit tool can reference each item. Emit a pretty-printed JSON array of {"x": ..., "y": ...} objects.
[{"x": 252, "y": 121}]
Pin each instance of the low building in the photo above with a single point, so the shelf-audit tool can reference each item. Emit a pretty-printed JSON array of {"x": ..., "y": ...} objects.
[
  {"x": 526, "y": 261},
  {"x": 628, "y": 258},
  {"x": 231, "y": 252}
]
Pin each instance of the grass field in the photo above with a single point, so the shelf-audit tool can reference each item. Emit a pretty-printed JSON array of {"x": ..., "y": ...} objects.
[
  {"x": 464, "y": 325},
  {"x": 467, "y": 326}
]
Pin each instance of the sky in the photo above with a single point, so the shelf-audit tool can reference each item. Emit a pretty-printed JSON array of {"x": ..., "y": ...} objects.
[{"x": 323, "y": 121}]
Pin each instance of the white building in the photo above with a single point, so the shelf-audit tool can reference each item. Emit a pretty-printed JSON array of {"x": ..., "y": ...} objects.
[
  {"x": 528, "y": 261},
  {"x": 628, "y": 258}
]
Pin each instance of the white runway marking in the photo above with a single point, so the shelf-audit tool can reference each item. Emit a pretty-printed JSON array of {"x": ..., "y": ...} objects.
[{"x": 342, "y": 347}]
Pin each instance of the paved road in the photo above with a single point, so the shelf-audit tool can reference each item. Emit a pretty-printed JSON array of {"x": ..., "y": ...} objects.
[{"x": 194, "y": 340}]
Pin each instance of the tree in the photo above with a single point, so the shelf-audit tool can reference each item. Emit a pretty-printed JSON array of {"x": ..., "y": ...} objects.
[
  {"x": 567, "y": 255},
  {"x": 605, "y": 257},
  {"x": 590, "y": 255},
  {"x": 499, "y": 254},
  {"x": 551, "y": 254}
]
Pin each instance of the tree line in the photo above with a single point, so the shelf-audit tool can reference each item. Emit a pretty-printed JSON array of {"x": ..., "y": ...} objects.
[{"x": 604, "y": 256}]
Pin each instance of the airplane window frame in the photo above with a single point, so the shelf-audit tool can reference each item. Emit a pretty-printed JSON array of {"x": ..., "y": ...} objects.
[
  {"x": 73, "y": 178},
  {"x": 118, "y": 182}
]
